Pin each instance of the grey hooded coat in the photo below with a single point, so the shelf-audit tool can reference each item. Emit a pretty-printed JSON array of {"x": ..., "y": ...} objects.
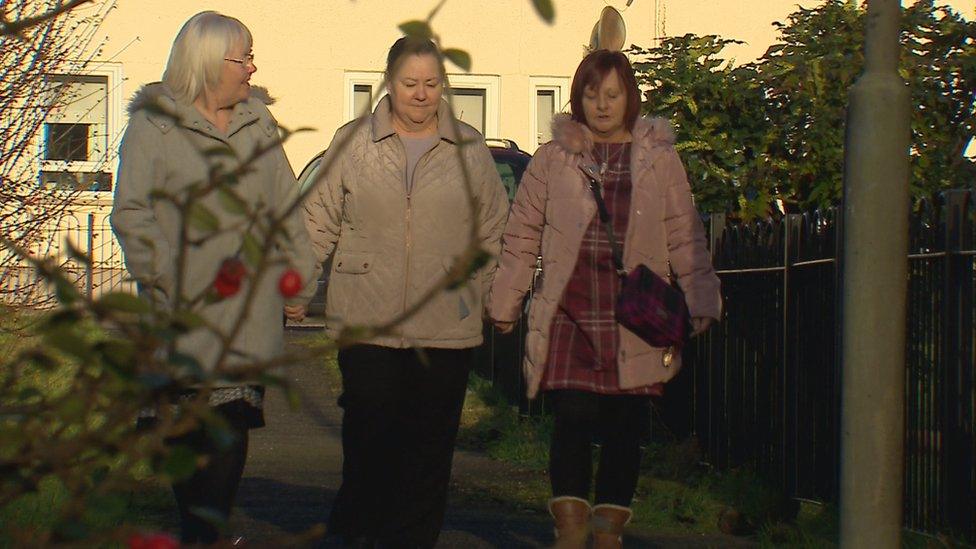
[{"x": 168, "y": 149}]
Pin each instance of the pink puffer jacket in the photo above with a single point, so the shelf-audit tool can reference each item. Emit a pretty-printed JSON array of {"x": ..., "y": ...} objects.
[{"x": 551, "y": 212}]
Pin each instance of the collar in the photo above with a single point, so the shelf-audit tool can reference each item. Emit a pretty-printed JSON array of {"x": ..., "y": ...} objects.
[{"x": 382, "y": 121}]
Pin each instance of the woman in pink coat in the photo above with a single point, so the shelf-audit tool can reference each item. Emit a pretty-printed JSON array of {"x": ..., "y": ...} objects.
[{"x": 597, "y": 375}]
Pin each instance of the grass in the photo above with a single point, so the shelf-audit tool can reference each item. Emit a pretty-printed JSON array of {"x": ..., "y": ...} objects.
[
  {"x": 146, "y": 504},
  {"x": 676, "y": 494}
]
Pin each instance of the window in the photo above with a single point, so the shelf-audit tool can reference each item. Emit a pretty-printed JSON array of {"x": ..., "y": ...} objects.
[
  {"x": 81, "y": 129},
  {"x": 362, "y": 88},
  {"x": 66, "y": 141},
  {"x": 469, "y": 106},
  {"x": 475, "y": 99},
  {"x": 548, "y": 95},
  {"x": 77, "y": 127},
  {"x": 362, "y": 98},
  {"x": 545, "y": 108}
]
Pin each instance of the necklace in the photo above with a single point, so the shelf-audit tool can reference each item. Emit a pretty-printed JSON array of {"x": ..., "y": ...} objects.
[{"x": 605, "y": 157}]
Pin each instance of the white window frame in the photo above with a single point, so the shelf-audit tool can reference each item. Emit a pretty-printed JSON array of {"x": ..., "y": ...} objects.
[
  {"x": 560, "y": 86},
  {"x": 491, "y": 84},
  {"x": 351, "y": 79},
  {"x": 113, "y": 124}
]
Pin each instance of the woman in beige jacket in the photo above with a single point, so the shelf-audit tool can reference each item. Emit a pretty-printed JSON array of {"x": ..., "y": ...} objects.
[
  {"x": 597, "y": 375},
  {"x": 205, "y": 103},
  {"x": 393, "y": 212}
]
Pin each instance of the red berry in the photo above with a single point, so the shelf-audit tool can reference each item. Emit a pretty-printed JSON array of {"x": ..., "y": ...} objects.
[
  {"x": 229, "y": 276},
  {"x": 161, "y": 541},
  {"x": 290, "y": 283},
  {"x": 153, "y": 541}
]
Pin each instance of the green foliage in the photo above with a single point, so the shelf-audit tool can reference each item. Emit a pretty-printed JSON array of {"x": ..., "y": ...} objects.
[
  {"x": 718, "y": 113},
  {"x": 545, "y": 10},
  {"x": 774, "y": 129}
]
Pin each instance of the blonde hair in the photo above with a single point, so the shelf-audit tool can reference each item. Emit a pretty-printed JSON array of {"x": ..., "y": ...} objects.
[{"x": 197, "y": 57}]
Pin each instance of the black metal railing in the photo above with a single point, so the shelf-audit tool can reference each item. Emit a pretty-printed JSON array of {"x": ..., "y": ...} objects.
[
  {"x": 766, "y": 382},
  {"x": 762, "y": 388}
]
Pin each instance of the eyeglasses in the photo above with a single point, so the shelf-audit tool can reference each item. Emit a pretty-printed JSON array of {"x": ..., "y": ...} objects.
[{"x": 248, "y": 60}]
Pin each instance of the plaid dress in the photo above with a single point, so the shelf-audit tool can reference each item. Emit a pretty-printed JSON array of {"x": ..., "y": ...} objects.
[{"x": 584, "y": 339}]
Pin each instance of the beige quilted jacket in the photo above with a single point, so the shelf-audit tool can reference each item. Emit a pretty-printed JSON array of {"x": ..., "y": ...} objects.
[
  {"x": 391, "y": 246},
  {"x": 551, "y": 212}
]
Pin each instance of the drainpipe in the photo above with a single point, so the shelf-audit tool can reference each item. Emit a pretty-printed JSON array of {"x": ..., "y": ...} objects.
[{"x": 875, "y": 285}]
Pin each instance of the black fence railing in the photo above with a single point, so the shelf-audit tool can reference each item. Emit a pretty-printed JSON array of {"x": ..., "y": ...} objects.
[{"x": 762, "y": 388}]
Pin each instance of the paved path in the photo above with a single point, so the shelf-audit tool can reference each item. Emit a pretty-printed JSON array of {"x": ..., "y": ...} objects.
[{"x": 294, "y": 470}]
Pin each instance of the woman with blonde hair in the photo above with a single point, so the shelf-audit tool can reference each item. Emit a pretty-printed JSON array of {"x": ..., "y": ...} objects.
[
  {"x": 597, "y": 375},
  {"x": 206, "y": 103}
]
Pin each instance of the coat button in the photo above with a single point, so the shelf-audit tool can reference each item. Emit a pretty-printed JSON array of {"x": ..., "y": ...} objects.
[{"x": 365, "y": 265}]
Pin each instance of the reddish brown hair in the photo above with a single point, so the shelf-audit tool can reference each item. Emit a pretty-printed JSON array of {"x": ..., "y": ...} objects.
[{"x": 591, "y": 72}]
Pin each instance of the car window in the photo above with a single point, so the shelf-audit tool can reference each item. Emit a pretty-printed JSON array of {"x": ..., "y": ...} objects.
[
  {"x": 510, "y": 169},
  {"x": 507, "y": 173},
  {"x": 308, "y": 175}
]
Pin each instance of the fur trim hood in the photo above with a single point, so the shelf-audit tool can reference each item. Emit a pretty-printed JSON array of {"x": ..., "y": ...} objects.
[
  {"x": 159, "y": 95},
  {"x": 576, "y": 138}
]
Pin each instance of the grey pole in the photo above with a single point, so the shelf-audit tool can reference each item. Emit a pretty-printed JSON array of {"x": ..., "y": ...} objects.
[{"x": 875, "y": 279}]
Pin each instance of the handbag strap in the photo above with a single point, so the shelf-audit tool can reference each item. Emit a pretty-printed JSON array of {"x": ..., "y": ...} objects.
[{"x": 615, "y": 250}]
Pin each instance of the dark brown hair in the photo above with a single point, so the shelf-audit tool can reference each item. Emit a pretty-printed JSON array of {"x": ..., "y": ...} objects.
[
  {"x": 591, "y": 72},
  {"x": 410, "y": 45}
]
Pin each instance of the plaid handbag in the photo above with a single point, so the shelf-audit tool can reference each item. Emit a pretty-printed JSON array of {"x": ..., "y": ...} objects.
[{"x": 651, "y": 307}]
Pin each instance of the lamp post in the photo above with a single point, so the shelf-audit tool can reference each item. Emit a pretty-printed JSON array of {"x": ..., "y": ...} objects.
[{"x": 875, "y": 279}]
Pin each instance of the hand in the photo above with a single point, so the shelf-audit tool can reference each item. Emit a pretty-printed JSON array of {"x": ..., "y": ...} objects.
[
  {"x": 295, "y": 313},
  {"x": 503, "y": 326},
  {"x": 699, "y": 324}
]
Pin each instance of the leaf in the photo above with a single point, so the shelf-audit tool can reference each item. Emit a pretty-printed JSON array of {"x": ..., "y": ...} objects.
[
  {"x": 231, "y": 202},
  {"x": 460, "y": 58},
  {"x": 417, "y": 29},
  {"x": 180, "y": 463},
  {"x": 68, "y": 341},
  {"x": 201, "y": 218},
  {"x": 545, "y": 10},
  {"x": 77, "y": 253},
  {"x": 124, "y": 302},
  {"x": 186, "y": 320},
  {"x": 251, "y": 250}
]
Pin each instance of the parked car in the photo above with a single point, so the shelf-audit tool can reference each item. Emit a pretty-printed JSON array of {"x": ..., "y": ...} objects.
[{"x": 510, "y": 161}]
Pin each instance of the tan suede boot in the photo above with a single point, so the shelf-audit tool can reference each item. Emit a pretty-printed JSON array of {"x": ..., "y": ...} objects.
[
  {"x": 608, "y": 525},
  {"x": 572, "y": 519}
]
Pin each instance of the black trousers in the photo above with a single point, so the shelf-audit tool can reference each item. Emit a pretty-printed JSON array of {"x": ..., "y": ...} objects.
[
  {"x": 212, "y": 487},
  {"x": 581, "y": 417},
  {"x": 401, "y": 413}
]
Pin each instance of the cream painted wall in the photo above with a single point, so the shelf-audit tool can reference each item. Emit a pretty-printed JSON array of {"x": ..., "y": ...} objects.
[{"x": 305, "y": 47}]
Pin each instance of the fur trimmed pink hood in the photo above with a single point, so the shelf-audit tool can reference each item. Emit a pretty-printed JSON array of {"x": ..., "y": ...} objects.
[{"x": 576, "y": 138}]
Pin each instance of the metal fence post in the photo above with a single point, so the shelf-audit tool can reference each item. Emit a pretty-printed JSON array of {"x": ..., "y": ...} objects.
[
  {"x": 957, "y": 452},
  {"x": 89, "y": 251}
]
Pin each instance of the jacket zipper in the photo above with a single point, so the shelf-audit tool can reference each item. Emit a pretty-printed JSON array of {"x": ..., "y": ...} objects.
[
  {"x": 406, "y": 265},
  {"x": 409, "y": 242}
]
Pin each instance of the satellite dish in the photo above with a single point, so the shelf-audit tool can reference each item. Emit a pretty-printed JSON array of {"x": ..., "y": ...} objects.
[{"x": 609, "y": 32}]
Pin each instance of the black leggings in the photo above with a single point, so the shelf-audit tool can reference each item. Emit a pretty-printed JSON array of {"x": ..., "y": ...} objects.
[
  {"x": 213, "y": 486},
  {"x": 581, "y": 416}
]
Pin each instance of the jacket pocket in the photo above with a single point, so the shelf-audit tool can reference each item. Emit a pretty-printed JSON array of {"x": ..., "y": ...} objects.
[{"x": 353, "y": 262}]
